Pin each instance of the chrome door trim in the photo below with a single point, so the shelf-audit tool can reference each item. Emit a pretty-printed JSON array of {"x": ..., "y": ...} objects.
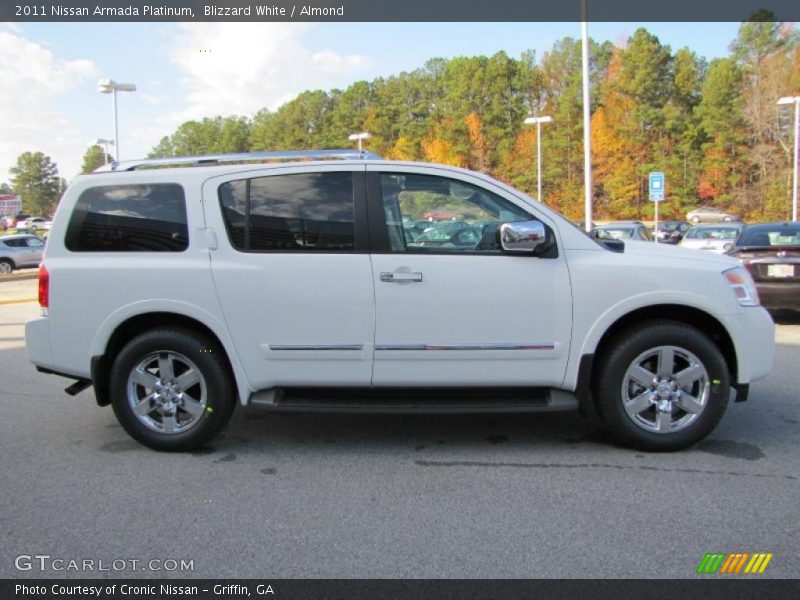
[
  {"x": 316, "y": 346},
  {"x": 465, "y": 347}
]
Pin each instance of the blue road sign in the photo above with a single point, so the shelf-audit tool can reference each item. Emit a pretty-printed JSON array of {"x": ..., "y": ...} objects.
[{"x": 656, "y": 186}]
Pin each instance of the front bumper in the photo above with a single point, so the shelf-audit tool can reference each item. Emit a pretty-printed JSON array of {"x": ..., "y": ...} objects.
[{"x": 753, "y": 333}]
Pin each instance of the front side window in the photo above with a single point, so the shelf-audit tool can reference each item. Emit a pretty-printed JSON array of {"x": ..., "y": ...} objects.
[
  {"x": 129, "y": 218},
  {"x": 430, "y": 214},
  {"x": 301, "y": 212}
]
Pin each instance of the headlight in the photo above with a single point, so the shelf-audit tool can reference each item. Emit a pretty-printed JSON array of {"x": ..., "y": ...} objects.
[{"x": 743, "y": 286}]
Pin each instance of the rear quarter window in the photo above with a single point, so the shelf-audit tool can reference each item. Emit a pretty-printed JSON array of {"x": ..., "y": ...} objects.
[{"x": 129, "y": 218}]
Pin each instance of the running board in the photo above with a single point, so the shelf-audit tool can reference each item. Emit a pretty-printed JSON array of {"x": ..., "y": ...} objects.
[{"x": 415, "y": 400}]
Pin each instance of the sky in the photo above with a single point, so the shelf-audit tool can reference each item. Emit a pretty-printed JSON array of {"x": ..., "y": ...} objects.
[{"x": 49, "y": 71}]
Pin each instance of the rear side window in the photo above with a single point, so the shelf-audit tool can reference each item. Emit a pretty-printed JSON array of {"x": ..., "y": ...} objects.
[
  {"x": 304, "y": 212},
  {"x": 129, "y": 218}
]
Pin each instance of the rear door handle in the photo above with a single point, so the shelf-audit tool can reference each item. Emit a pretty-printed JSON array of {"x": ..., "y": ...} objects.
[{"x": 400, "y": 277}]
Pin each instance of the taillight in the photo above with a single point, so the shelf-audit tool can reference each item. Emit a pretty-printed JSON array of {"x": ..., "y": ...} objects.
[{"x": 44, "y": 289}]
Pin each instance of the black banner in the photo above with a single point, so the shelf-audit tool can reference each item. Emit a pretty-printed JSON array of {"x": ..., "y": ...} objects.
[
  {"x": 396, "y": 10},
  {"x": 414, "y": 589}
]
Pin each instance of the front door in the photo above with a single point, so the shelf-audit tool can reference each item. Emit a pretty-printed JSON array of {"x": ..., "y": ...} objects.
[{"x": 451, "y": 308}]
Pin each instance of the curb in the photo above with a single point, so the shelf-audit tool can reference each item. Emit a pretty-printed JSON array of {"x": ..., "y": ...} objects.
[{"x": 18, "y": 301}]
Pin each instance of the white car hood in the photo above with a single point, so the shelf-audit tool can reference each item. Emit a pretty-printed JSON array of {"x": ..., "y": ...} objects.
[{"x": 669, "y": 251}]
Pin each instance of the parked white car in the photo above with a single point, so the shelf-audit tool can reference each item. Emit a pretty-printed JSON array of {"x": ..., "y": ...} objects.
[
  {"x": 35, "y": 225},
  {"x": 179, "y": 292},
  {"x": 715, "y": 238}
]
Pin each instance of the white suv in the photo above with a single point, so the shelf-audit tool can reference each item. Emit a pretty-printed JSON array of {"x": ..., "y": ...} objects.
[{"x": 360, "y": 284}]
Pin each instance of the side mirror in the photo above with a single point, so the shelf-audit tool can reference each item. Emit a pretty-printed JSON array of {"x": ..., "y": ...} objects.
[{"x": 523, "y": 236}]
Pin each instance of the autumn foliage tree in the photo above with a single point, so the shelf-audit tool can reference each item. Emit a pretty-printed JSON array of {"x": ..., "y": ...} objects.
[{"x": 713, "y": 128}]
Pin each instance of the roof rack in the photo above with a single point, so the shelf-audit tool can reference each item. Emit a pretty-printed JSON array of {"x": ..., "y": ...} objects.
[{"x": 215, "y": 159}]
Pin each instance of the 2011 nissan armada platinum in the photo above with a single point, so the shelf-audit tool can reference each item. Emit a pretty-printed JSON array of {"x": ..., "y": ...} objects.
[{"x": 359, "y": 284}]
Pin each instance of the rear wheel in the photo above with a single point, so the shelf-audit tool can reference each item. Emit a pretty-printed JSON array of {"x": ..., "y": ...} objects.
[
  {"x": 171, "y": 389},
  {"x": 662, "y": 386},
  {"x": 6, "y": 266}
]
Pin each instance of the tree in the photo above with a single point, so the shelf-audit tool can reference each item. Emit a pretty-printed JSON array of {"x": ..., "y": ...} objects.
[
  {"x": 94, "y": 157},
  {"x": 35, "y": 178},
  {"x": 217, "y": 135},
  {"x": 5, "y": 188}
]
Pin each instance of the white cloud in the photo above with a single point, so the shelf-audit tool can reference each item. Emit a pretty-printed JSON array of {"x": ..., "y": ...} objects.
[
  {"x": 32, "y": 77},
  {"x": 238, "y": 68}
]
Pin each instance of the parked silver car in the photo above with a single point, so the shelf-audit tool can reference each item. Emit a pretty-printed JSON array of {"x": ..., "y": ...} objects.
[
  {"x": 709, "y": 214},
  {"x": 20, "y": 251}
]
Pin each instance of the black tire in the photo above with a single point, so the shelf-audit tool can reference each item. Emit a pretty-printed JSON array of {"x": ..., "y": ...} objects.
[
  {"x": 621, "y": 353},
  {"x": 206, "y": 355},
  {"x": 6, "y": 266}
]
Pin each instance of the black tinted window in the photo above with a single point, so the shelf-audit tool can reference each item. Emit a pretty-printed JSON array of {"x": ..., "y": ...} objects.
[
  {"x": 129, "y": 218},
  {"x": 15, "y": 243},
  {"x": 303, "y": 212}
]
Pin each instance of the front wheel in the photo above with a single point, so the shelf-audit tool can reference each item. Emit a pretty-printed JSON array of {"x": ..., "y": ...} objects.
[
  {"x": 662, "y": 386},
  {"x": 171, "y": 389},
  {"x": 6, "y": 267}
]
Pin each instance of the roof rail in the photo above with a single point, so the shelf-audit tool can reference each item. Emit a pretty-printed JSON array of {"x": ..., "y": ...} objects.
[{"x": 214, "y": 159}]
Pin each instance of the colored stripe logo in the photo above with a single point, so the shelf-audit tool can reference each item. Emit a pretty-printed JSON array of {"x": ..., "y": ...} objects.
[{"x": 734, "y": 563}]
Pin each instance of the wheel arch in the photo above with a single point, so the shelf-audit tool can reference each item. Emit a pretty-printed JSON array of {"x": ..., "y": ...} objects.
[
  {"x": 129, "y": 327},
  {"x": 680, "y": 313}
]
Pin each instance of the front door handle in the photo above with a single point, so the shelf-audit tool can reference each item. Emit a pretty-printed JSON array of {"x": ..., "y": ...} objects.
[{"x": 400, "y": 277}]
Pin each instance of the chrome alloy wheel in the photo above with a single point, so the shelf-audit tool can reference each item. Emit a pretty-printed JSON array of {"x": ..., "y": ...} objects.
[
  {"x": 167, "y": 392},
  {"x": 5, "y": 268},
  {"x": 665, "y": 389}
]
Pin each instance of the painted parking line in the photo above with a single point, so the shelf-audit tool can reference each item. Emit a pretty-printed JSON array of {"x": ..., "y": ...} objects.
[{"x": 19, "y": 300}]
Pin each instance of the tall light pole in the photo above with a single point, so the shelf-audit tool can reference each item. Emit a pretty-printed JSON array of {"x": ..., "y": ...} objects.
[
  {"x": 538, "y": 122},
  {"x": 796, "y": 101},
  {"x": 587, "y": 121},
  {"x": 364, "y": 135},
  {"x": 109, "y": 86},
  {"x": 104, "y": 143}
]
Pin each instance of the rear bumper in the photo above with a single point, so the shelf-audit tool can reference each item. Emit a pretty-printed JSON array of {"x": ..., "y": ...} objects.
[
  {"x": 37, "y": 342},
  {"x": 776, "y": 296}
]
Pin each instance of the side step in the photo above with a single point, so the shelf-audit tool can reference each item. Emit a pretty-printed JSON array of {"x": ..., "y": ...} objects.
[{"x": 415, "y": 400}]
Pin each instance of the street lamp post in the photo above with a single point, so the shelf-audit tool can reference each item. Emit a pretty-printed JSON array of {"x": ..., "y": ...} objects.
[
  {"x": 109, "y": 86},
  {"x": 538, "y": 122},
  {"x": 587, "y": 119},
  {"x": 796, "y": 101},
  {"x": 104, "y": 143},
  {"x": 364, "y": 135}
]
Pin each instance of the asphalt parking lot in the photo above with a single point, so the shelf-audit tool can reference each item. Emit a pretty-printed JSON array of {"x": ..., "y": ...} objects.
[{"x": 330, "y": 496}]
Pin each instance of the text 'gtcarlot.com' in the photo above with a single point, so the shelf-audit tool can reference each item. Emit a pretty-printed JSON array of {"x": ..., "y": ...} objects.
[{"x": 45, "y": 562}]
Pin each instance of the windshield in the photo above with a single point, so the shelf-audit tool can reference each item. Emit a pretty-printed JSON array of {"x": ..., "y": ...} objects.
[
  {"x": 712, "y": 233},
  {"x": 781, "y": 235}
]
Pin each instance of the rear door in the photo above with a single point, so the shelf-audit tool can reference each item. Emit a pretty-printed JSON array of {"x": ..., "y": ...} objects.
[
  {"x": 292, "y": 272},
  {"x": 451, "y": 308}
]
